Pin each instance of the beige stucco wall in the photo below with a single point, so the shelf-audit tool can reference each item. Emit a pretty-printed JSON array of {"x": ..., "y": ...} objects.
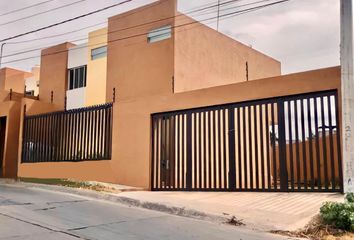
[
  {"x": 32, "y": 80},
  {"x": 142, "y": 74},
  {"x": 13, "y": 79},
  {"x": 150, "y": 65},
  {"x": 53, "y": 72},
  {"x": 131, "y": 156},
  {"x": 10, "y": 110},
  {"x": 96, "y": 69},
  {"x": 206, "y": 58}
]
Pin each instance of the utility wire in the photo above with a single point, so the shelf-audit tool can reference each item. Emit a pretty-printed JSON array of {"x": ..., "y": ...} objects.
[
  {"x": 73, "y": 31},
  {"x": 205, "y": 7},
  {"x": 80, "y": 29},
  {"x": 237, "y": 6},
  {"x": 147, "y": 23},
  {"x": 41, "y": 13},
  {"x": 158, "y": 20},
  {"x": 57, "y": 35},
  {"x": 174, "y": 27},
  {"x": 24, "y": 8},
  {"x": 161, "y": 1},
  {"x": 66, "y": 21}
]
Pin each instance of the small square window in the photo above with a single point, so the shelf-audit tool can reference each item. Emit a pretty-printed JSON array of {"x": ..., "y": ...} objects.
[
  {"x": 160, "y": 34},
  {"x": 98, "y": 52}
]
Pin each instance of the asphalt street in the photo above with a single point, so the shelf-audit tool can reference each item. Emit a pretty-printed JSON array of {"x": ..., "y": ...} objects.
[{"x": 36, "y": 214}]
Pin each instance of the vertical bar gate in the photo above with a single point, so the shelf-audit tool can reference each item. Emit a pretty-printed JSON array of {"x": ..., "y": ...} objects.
[
  {"x": 76, "y": 135},
  {"x": 281, "y": 144}
]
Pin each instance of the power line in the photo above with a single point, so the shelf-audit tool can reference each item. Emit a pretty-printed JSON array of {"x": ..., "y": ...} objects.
[
  {"x": 41, "y": 13},
  {"x": 147, "y": 23},
  {"x": 163, "y": 19},
  {"x": 24, "y": 8},
  {"x": 206, "y": 6},
  {"x": 218, "y": 17},
  {"x": 80, "y": 29},
  {"x": 66, "y": 21},
  {"x": 160, "y": 2},
  {"x": 174, "y": 27},
  {"x": 233, "y": 7},
  {"x": 57, "y": 35}
]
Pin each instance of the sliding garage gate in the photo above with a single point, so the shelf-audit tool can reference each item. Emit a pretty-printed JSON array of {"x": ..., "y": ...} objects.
[{"x": 281, "y": 144}]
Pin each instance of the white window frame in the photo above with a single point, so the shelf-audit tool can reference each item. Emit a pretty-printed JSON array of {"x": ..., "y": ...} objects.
[{"x": 76, "y": 81}]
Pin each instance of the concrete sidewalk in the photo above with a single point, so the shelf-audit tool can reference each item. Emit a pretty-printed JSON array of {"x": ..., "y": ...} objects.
[{"x": 261, "y": 211}]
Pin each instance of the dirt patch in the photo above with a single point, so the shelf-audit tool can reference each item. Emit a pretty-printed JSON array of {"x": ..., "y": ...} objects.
[
  {"x": 316, "y": 230},
  {"x": 235, "y": 222},
  {"x": 71, "y": 184}
]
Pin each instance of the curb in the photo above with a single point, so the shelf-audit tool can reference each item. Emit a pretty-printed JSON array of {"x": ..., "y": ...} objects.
[
  {"x": 130, "y": 202},
  {"x": 179, "y": 211}
]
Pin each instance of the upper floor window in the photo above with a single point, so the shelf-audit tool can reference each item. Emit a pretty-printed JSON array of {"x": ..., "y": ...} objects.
[
  {"x": 77, "y": 77},
  {"x": 99, "y": 52},
  {"x": 160, "y": 34}
]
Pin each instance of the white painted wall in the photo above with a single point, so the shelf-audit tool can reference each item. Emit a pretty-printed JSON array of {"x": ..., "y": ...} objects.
[
  {"x": 77, "y": 56},
  {"x": 75, "y": 98}
]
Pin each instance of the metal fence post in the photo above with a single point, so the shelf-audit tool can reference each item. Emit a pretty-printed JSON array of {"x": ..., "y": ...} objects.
[
  {"x": 23, "y": 134},
  {"x": 232, "y": 158},
  {"x": 189, "y": 151},
  {"x": 282, "y": 146}
]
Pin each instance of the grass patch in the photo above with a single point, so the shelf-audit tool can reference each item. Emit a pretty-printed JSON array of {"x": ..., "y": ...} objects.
[
  {"x": 318, "y": 230},
  {"x": 68, "y": 183},
  {"x": 335, "y": 221}
]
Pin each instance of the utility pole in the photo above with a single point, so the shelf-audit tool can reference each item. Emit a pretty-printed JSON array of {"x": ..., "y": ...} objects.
[
  {"x": 218, "y": 17},
  {"x": 347, "y": 93},
  {"x": 1, "y": 52}
]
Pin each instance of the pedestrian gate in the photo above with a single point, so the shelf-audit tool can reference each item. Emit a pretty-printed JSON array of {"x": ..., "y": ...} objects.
[{"x": 283, "y": 144}]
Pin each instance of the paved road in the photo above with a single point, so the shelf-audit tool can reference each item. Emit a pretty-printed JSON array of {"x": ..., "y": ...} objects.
[{"x": 34, "y": 214}]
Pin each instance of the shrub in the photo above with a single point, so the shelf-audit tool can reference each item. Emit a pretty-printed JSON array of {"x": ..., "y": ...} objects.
[
  {"x": 340, "y": 215},
  {"x": 350, "y": 197}
]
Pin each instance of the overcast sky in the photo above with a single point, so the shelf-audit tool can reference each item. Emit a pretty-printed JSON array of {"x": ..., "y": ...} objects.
[{"x": 302, "y": 34}]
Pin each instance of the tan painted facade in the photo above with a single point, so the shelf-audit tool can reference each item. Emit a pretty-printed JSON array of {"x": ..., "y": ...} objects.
[
  {"x": 206, "y": 58},
  {"x": 54, "y": 62},
  {"x": 131, "y": 157},
  {"x": 32, "y": 81},
  {"x": 13, "y": 79},
  {"x": 143, "y": 73},
  {"x": 10, "y": 107},
  {"x": 96, "y": 70},
  {"x": 10, "y": 112}
]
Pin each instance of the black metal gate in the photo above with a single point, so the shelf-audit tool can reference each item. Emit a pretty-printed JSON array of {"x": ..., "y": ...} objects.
[
  {"x": 288, "y": 143},
  {"x": 68, "y": 136}
]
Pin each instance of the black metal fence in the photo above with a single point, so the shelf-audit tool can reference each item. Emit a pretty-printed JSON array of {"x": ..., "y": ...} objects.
[
  {"x": 73, "y": 135},
  {"x": 279, "y": 144}
]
